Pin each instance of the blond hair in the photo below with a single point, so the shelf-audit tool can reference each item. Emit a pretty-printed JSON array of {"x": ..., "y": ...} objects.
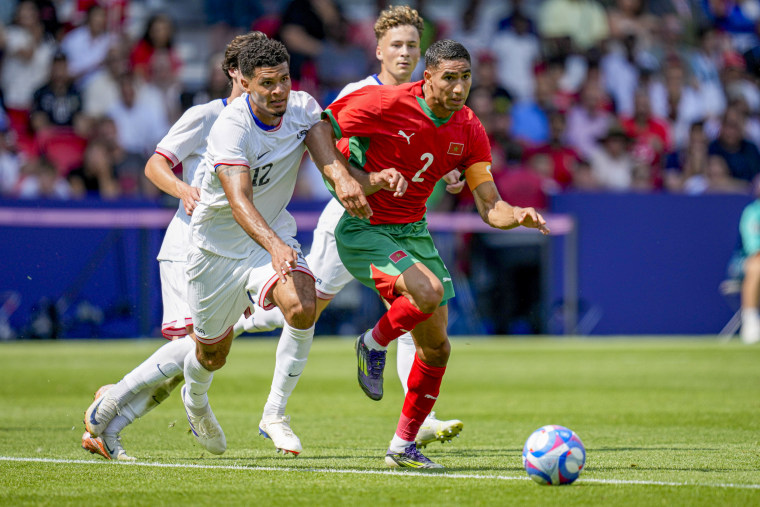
[{"x": 397, "y": 15}]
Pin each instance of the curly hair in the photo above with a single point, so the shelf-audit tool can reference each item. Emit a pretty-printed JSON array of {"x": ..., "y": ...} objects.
[
  {"x": 445, "y": 49},
  {"x": 397, "y": 15},
  {"x": 261, "y": 53},
  {"x": 233, "y": 49}
]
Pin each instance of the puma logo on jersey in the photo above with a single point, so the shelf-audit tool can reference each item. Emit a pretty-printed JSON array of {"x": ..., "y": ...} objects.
[
  {"x": 407, "y": 137},
  {"x": 430, "y": 397}
]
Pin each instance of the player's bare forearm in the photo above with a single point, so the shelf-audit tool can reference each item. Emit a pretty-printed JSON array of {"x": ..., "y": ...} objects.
[
  {"x": 501, "y": 215},
  {"x": 158, "y": 170},
  {"x": 236, "y": 181},
  {"x": 333, "y": 165}
]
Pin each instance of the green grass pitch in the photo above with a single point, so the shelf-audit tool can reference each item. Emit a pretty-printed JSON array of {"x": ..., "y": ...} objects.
[{"x": 664, "y": 421}]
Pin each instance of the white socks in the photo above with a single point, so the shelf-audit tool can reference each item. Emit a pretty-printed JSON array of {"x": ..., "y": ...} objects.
[
  {"x": 405, "y": 358},
  {"x": 292, "y": 353},
  {"x": 370, "y": 342},
  {"x": 750, "y": 332},
  {"x": 198, "y": 380},
  {"x": 398, "y": 444}
]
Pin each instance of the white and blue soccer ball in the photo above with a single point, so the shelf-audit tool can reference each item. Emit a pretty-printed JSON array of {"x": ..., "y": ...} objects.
[{"x": 554, "y": 455}]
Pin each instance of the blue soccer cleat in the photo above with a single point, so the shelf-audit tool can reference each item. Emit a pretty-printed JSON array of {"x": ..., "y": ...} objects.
[
  {"x": 410, "y": 458},
  {"x": 371, "y": 364}
]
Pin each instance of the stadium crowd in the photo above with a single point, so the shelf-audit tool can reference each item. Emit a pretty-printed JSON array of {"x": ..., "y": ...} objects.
[{"x": 576, "y": 95}]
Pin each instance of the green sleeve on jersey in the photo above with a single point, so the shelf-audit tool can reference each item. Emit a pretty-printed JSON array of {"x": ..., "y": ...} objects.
[
  {"x": 336, "y": 128},
  {"x": 357, "y": 147}
]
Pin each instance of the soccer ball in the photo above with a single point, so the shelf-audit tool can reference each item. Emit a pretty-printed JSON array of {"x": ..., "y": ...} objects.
[{"x": 553, "y": 455}]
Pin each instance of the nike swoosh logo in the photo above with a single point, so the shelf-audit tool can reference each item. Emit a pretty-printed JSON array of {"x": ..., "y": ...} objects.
[
  {"x": 92, "y": 415},
  {"x": 291, "y": 375},
  {"x": 162, "y": 371},
  {"x": 110, "y": 451},
  {"x": 259, "y": 157}
]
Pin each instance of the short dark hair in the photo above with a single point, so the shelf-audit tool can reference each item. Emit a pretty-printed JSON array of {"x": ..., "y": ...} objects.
[
  {"x": 233, "y": 49},
  {"x": 261, "y": 53},
  {"x": 445, "y": 49}
]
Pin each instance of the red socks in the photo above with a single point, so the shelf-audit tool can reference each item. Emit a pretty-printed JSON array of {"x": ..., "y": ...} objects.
[
  {"x": 424, "y": 384},
  {"x": 402, "y": 316}
]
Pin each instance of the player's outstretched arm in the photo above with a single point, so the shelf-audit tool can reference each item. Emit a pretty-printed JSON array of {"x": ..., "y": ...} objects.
[
  {"x": 236, "y": 182},
  {"x": 334, "y": 167},
  {"x": 499, "y": 214},
  {"x": 158, "y": 170}
]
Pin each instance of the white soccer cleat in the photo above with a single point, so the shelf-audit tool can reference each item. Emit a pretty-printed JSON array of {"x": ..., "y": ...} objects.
[
  {"x": 277, "y": 429},
  {"x": 100, "y": 412},
  {"x": 108, "y": 446},
  {"x": 206, "y": 428},
  {"x": 433, "y": 430}
]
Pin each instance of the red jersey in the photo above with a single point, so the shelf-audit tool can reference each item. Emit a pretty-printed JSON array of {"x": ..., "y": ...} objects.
[{"x": 392, "y": 126}]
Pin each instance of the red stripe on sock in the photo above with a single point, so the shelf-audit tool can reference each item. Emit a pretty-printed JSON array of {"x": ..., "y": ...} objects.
[
  {"x": 424, "y": 385},
  {"x": 402, "y": 316}
]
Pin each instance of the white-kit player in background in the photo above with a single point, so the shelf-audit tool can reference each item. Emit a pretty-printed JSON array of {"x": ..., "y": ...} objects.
[
  {"x": 151, "y": 382},
  {"x": 397, "y": 30}
]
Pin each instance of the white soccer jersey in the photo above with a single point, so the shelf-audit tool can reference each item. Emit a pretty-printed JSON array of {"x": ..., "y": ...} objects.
[
  {"x": 272, "y": 156},
  {"x": 352, "y": 87},
  {"x": 186, "y": 143}
]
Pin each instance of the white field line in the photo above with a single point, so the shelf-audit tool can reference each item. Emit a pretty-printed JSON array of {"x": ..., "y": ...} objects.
[{"x": 406, "y": 473}]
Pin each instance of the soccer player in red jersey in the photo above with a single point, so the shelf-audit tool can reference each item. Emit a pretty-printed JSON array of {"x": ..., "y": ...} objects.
[{"x": 424, "y": 130}]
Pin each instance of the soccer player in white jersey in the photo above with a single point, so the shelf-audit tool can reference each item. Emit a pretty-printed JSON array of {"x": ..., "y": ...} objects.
[
  {"x": 151, "y": 382},
  {"x": 243, "y": 239},
  {"x": 397, "y": 29}
]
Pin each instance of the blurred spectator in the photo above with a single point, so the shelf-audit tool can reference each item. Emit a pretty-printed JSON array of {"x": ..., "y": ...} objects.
[
  {"x": 563, "y": 158},
  {"x": 688, "y": 161},
  {"x": 58, "y": 102},
  {"x": 86, "y": 47},
  {"x": 485, "y": 79},
  {"x": 305, "y": 25},
  {"x": 42, "y": 181},
  {"x": 741, "y": 156},
  {"x": 621, "y": 74},
  {"x": 155, "y": 50},
  {"x": 716, "y": 179},
  {"x": 95, "y": 178},
  {"x": 704, "y": 62},
  {"x": 115, "y": 12},
  {"x": 530, "y": 121},
  {"x": 650, "y": 135},
  {"x": 140, "y": 125},
  {"x": 738, "y": 19},
  {"x": 517, "y": 51},
  {"x": 228, "y": 18},
  {"x": 475, "y": 27},
  {"x": 102, "y": 91},
  {"x": 588, "y": 120},
  {"x": 676, "y": 100},
  {"x": 584, "y": 21},
  {"x": 736, "y": 81},
  {"x": 611, "y": 163},
  {"x": 526, "y": 184},
  {"x": 25, "y": 66},
  {"x": 628, "y": 17},
  {"x": 217, "y": 85},
  {"x": 10, "y": 164},
  {"x": 339, "y": 63}
]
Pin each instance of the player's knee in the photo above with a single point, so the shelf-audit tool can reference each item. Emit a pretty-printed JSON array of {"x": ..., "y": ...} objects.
[
  {"x": 437, "y": 354},
  {"x": 429, "y": 297},
  {"x": 301, "y": 314},
  {"x": 212, "y": 360}
]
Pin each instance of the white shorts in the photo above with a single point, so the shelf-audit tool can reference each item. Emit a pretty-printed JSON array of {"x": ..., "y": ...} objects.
[
  {"x": 221, "y": 289},
  {"x": 330, "y": 275},
  {"x": 174, "y": 297}
]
